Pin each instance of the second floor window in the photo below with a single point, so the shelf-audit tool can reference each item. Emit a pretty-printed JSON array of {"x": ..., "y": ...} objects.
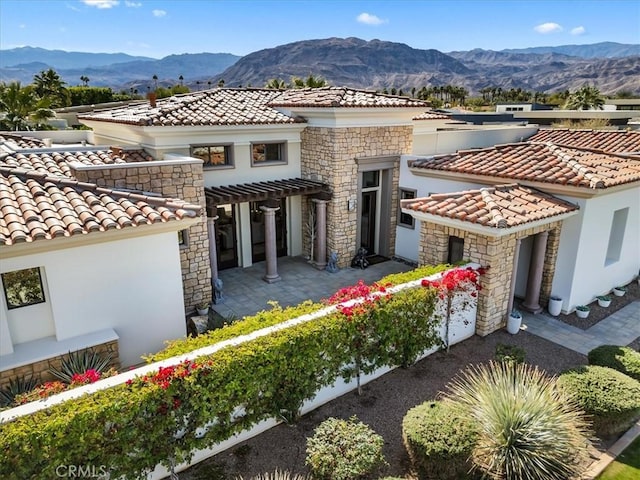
[
  {"x": 213, "y": 155},
  {"x": 263, "y": 153}
]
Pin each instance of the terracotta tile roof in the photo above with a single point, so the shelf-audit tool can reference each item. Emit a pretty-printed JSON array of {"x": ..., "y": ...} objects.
[
  {"x": 540, "y": 162},
  {"x": 16, "y": 142},
  {"x": 432, "y": 116},
  {"x": 615, "y": 141},
  {"x": 35, "y": 207},
  {"x": 56, "y": 163},
  {"x": 341, "y": 97},
  {"x": 502, "y": 206},
  {"x": 219, "y": 106}
]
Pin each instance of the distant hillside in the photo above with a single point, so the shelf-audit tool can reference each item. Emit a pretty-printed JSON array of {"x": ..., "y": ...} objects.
[
  {"x": 60, "y": 59},
  {"x": 595, "y": 50}
]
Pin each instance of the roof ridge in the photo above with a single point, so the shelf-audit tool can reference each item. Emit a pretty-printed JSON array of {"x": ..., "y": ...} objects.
[
  {"x": 595, "y": 180},
  {"x": 493, "y": 207}
]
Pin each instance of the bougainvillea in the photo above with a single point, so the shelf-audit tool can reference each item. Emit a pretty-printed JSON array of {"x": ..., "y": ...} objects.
[{"x": 453, "y": 282}]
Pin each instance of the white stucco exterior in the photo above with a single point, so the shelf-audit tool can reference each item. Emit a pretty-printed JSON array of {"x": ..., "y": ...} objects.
[{"x": 132, "y": 286}]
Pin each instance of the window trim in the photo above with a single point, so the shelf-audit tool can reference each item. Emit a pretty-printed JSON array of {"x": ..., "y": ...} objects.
[
  {"x": 265, "y": 163},
  {"x": 41, "y": 298},
  {"x": 399, "y": 222},
  {"x": 228, "y": 149}
]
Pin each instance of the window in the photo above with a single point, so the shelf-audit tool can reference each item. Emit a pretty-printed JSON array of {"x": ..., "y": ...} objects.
[
  {"x": 456, "y": 250},
  {"x": 371, "y": 179},
  {"x": 183, "y": 238},
  {"x": 404, "y": 219},
  {"x": 23, "y": 287},
  {"x": 616, "y": 236},
  {"x": 264, "y": 153},
  {"x": 213, "y": 155}
]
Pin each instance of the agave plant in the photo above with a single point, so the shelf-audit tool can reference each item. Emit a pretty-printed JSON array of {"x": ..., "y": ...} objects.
[
  {"x": 79, "y": 362},
  {"x": 528, "y": 427},
  {"x": 16, "y": 387}
]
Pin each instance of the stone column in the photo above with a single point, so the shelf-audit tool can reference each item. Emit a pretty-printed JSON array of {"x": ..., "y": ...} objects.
[
  {"x": 321, "y": 233},
  {"x": 514, "y": 274},
  {"x": 536, "y": 268},
  {"x": 270, "y": 244},
  {"x": 213, "y": 251}
]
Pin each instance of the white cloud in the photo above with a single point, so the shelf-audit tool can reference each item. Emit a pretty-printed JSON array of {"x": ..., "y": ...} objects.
[
  {"x": 159, "y": 13},
  {"x": 101, "y": 4},
  {"x": 22, "y": 25},
  {"x": 549, "y": 27},
  {"x": 369, "y": 19},
  {"x": 578, "y": 30},
  {"x": 132, "y": 4}
]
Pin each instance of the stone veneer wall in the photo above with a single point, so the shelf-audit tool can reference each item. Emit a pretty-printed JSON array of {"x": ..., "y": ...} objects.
[
  {"x": 496, "y": 253},
  {"x": 329, "y": 155},
  {"x": 184, "y": 181},
  {"x": 40, "y": 370}
]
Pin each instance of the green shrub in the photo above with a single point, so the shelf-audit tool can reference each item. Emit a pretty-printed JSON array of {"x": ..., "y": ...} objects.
[
  {"x": 79, "y": 362},
  {"x": 439, "y": 440},
  {"x": 510, "y": 353},
  {"x": 528, "y": 428},
  {"x": 277, "y": 475},
  {"x": 622, "y": 359},
  {"x": 611, "y": 398},
  {"x": 344, "y": 450}
]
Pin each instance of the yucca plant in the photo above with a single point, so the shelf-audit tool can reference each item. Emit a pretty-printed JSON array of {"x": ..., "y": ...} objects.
[
  {"x": 79, "y": 362},
  {"x": 528, "y": 428},
  {"x": 277, "y": 475},
  {"x": 17, "y": 386}
]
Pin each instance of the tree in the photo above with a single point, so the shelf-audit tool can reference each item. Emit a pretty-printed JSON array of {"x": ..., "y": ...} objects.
[
  {"x": 85, "y": 80},
  {"x": 181, "y": 78},
  {"x": 22, "y": 108},
  {"x": 309, "y": 82},
  {"x": 48, "y": 84},
  {"x": 586, "y": 98},
  {"x": 276, "y": 84},
  {"x": 155, "y": 82}
]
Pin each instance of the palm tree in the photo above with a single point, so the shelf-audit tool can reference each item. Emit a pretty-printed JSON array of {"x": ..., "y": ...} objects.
[
  {"x": 155, "y": 82},
  {"x": 48, "y": 84},
  {"x": 21, "y": 107},
  {"x": 276, "y": 84},
  {"x": 310, "y": 82},
  {"x": 85, "y": 80},
  {"x": 586, "y": 98},
  {"x": 181, "y": 78}
]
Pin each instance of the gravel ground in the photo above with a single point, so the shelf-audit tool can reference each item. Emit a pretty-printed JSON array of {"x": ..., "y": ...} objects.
[{"x": 382, "y": 406}]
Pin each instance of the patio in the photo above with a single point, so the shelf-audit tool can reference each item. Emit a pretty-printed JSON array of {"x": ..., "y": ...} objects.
[{"x": 246, "y": 293}]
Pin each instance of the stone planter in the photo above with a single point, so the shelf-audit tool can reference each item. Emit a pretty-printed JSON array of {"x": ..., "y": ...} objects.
[
  {"x": 582, "y": 311},
  {"x": 619, "y": 291},
  {"x": 604, "y": 301},
  {"x": 514, "y": 322},
  {"x": 555, "y": 306}
]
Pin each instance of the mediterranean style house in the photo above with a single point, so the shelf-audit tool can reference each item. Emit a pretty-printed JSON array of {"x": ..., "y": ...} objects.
[{"x": 243, "y": 175}]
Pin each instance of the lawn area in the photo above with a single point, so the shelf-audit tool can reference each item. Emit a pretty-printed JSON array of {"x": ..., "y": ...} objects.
[{"x": 626, "y": 466}]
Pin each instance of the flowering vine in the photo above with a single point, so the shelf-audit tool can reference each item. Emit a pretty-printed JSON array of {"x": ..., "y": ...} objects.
[{"x": 458, "y": 280}]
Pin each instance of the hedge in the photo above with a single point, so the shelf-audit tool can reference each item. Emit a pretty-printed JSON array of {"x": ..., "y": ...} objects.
[
  {"x": 158, "y": 418},
  {"x": 610, "y": 398},
  {"x": 622, "y": 359},
  {"x": 439, "y": 440}
]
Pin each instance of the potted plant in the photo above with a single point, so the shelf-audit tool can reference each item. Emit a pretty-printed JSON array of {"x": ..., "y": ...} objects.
[
  {"x": 582, "y": 311},
  {"x": 619, "y": 291},
  {"x": 202, "y": 308},
  {"x": 555, "y": 305},
  {"x": 604, "y": 300},
  {"x": 514, "y": 322}
]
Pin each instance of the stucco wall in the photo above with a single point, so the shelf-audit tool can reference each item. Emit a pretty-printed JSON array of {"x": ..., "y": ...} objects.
[
  {"x": 329, "y": 155},
  {"x": 132, "y": 286}
]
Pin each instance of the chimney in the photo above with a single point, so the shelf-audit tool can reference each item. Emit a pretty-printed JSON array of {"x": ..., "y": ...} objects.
[{"x": 152, "y": 99}]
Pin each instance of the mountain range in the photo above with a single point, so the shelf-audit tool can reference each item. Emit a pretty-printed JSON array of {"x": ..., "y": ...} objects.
[{"x": 353, "y": 62}]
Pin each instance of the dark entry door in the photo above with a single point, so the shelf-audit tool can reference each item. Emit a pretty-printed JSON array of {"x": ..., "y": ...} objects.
[
  {"x": 368, "y": 221},
  {"x": 257, "y": 231},
  {"x": 226, "y": 241}
]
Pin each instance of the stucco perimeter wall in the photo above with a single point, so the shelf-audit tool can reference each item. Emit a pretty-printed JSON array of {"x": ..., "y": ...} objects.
[
  {"x": 181, "y": 179},
  {"x": 330, "y": 155},
  {"x": 496, "y": 253}
]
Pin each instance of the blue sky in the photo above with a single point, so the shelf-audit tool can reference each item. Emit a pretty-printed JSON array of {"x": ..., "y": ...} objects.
[{"x": 160, "y": 28}]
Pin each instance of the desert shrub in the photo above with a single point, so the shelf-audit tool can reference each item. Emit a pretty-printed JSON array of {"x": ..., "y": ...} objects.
[
  {"x": 80, "y": 362},
  {"x": 277, "y": 475},
  {"x": 439, "y": 440},
  {"x": 622, "y": 359},
  {"x": 528, "y": 428},
  {"x": 510, "y": 353},
  {"x": 344, "y": 450},
  {"x": 610, "y": 397}
]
